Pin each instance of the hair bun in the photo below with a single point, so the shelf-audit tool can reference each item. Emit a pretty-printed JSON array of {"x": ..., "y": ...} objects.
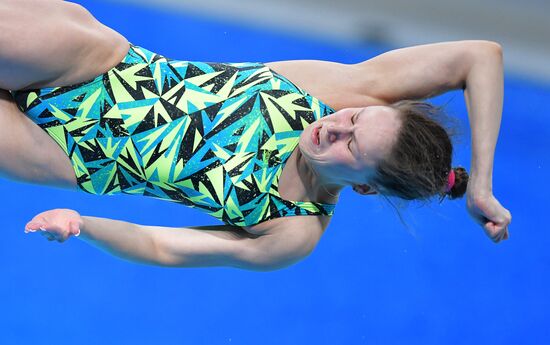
[{"x": 461, "y": 182}]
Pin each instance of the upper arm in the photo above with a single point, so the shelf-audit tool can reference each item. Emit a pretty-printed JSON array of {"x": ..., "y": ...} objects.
[
  {"x": 423, "y": 71},
  {"x": 231, "y": 246},
  {"x": 288, "y": 242},
  {"x": 335, "y": 84}
]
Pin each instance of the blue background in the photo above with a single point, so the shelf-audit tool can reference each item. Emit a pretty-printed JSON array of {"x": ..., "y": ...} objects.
[{"x": 370, "y": 280}]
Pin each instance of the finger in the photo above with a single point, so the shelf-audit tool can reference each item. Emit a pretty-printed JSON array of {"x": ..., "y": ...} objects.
[
  {"x": 494, "y": 232},
  {"x": 481, "y": 220},
  {"x": 33, "y": 226},
  {"x": 44, "y": 232},
  {"x": 29, "y": 229},
  {"x": 502, "y": 233},
  {"x": 39, "y": 219},
  {"x": 506, "y": 235},
  {"x": 74, "y": 229},
  {"x": 490, "y": 229}
]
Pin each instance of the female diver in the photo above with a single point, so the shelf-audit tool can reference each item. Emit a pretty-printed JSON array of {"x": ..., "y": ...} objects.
[{"x": 265, "y": 148}]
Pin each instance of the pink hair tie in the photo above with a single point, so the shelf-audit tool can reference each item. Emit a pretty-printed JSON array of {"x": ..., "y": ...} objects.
[{"x": 450, "y": 181}]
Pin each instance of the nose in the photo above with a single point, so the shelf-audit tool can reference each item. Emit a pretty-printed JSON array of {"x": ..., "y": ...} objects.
[{"x": 336, "y": 132}]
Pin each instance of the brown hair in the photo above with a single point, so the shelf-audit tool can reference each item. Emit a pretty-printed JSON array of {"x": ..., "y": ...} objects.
[{"x": 419, "y": 163}]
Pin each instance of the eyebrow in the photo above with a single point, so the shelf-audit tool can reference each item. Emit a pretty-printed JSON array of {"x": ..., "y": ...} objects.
[{"x": 356, "y": 116}]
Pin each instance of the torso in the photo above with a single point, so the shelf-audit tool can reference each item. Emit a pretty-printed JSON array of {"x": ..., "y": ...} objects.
[
  {"x": 109, "y": 50},
  {"x": 237, "y": 126}
]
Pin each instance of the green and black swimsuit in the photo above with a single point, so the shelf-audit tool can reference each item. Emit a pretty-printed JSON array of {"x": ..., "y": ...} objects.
[{"x": 213, "y": 136}]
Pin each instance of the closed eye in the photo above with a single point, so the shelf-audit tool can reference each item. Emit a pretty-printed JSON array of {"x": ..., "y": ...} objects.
[{"x": 352, "y": 122}]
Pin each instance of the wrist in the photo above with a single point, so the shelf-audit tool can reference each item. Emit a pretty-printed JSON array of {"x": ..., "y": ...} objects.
[
  {"x": 84, "y": 225},
  {"x": 479, "y": 186}
]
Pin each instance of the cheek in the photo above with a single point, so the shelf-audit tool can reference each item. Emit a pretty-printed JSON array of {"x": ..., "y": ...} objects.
[{"x": 339, "y": 154}]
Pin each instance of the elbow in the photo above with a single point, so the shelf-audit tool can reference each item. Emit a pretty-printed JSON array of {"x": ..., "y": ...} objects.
[
  {"x": 494, "y": 48},
  {"x": 263, "y": 261},
  {"x": 480, "y": 58},
  {"x": 275, "y": 251},
  {"x": 475, "y": 51},
  {"x": 483, "y": 45},
  {"x": 487, "y": 49},
  {"x": 270, "y": 265}
]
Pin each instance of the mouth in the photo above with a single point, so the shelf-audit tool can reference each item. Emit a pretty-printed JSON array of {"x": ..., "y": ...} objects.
[{"x": 315, "y": 138}]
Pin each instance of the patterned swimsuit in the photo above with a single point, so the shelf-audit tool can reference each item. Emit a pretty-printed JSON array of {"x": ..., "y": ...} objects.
[{"x": 208, "y": 135}]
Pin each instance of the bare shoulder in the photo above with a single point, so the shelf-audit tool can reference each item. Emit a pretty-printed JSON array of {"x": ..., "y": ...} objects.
[
  {"x": 53, "y": 43},
  {"x": 342, "y": 86}
]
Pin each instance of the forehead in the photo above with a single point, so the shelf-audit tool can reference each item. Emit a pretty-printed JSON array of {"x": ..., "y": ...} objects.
[{"x": 377, "y": 129}]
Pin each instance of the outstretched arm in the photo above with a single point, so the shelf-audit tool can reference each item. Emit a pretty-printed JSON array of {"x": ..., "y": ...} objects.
[
  {"x": 428, "y": 70},
  {"x": 177, "y": 247},
  {"x": 181, "y": 247}
]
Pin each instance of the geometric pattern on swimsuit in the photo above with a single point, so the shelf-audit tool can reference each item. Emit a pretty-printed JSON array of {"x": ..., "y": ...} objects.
[{"x": 213, "y": 136}]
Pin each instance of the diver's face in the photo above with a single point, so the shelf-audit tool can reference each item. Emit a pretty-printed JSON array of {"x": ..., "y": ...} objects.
[{"x": 346, "y": 146}]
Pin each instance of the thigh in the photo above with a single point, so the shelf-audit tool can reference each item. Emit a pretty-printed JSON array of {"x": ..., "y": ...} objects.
[
  {"x": 27, "y": 153},
  {"x": 53, "y": 43},
  {"x": 337, "y": 85}
]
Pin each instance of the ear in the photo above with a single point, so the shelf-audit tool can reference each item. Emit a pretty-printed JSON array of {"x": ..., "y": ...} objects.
[{"x": 364, "y": 189}]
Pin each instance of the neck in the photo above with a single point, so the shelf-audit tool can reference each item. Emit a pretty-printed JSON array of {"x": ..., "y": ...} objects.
[{"x": 316, "y": 186}]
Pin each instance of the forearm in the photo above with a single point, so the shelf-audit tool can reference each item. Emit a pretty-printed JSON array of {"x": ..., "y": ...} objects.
[
  {"x": 126, "y": 240},
  {"x": 166, "y": 246},
  {"x": 484, "y": 96}
]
